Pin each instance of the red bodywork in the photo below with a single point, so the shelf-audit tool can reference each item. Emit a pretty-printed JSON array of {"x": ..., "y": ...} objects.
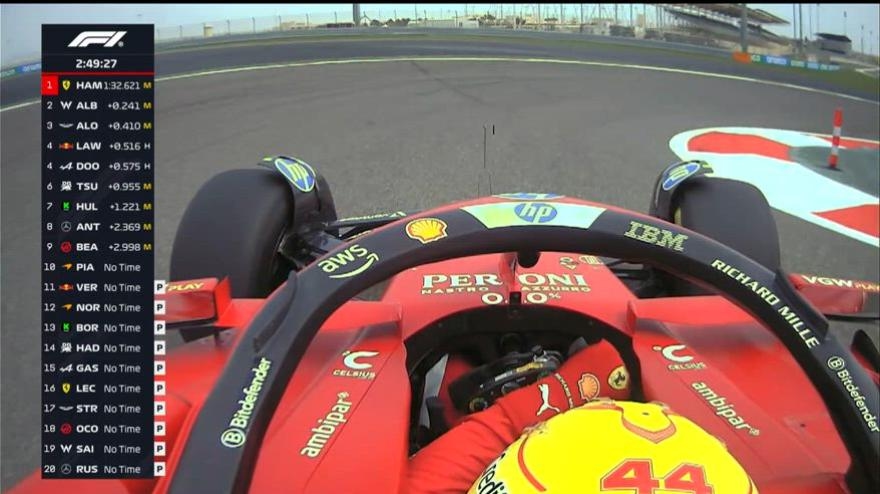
[{"x": 707, "y": 359}]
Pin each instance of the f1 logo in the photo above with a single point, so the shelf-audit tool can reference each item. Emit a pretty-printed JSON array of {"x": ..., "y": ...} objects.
[{"x": 107, "y": 39}]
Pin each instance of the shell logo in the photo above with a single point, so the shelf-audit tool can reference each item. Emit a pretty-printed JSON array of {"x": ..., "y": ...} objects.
[
  {"x": 426, "y": 229},
  {"x": 588, "y": 385}
]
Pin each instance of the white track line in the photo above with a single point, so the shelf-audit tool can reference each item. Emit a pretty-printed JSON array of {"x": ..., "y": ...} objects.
[
  {"x": 288, "y": 65},
  {"x": 20, "y": 105}
]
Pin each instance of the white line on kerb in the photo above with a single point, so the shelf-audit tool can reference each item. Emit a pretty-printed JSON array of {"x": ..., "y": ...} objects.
[{"x": 287, "y": 65}]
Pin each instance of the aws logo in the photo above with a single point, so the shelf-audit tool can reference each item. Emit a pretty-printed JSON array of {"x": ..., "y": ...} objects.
[{"x": 351, "y": 261}]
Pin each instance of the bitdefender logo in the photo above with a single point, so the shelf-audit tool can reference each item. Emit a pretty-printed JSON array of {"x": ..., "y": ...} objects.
[
  {"x": 107, "y": 39},
  {"x": 236, "y": 434}
]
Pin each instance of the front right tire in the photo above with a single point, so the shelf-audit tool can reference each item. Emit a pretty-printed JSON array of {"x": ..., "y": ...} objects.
[{"x": 732, "y": 212}]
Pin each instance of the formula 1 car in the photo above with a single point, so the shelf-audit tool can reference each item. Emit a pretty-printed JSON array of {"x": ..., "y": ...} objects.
[{"x": 310, "y": 336}]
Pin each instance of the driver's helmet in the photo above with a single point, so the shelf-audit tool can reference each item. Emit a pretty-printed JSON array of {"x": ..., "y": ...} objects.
[{"x": 612, "y": 446}]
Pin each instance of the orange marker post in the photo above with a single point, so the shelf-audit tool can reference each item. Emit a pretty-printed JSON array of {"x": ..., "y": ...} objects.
[{"x": 835, "y": 139}]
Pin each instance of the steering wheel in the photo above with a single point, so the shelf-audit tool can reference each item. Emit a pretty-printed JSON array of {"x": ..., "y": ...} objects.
[{"x": 278, "y": 337}]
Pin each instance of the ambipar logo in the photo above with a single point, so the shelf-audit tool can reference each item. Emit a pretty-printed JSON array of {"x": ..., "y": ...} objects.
[{"x": 107, "y": 39}]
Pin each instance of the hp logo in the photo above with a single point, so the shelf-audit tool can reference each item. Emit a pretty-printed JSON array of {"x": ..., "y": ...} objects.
[{"x": 535, "y": 212}]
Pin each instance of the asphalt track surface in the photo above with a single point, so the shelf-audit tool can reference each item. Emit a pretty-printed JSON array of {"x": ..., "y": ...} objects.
[
  {"x": 172, "y": 59},
  {"x": 407, "y": 135}
]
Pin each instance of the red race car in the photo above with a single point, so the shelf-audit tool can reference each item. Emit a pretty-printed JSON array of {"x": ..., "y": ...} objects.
[{"x": 311, "y": 339}]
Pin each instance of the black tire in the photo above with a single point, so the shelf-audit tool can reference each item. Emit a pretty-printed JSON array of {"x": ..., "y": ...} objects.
[
  {"x": 233, "y": 227},
  {"x": 732, "y": 212}
]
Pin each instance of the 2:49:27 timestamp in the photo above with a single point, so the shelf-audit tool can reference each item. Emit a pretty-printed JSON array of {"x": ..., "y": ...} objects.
[{"x": 96, "y": 63}]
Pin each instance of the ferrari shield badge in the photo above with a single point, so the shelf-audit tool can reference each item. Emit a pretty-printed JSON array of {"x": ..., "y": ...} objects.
[
  {"x": 297, "y": 172},
  {"x": 619, "y": 378},
  {"x": 65, "y": 84}
]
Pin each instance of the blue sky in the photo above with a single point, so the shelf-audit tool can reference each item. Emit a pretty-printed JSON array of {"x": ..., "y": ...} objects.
[{"x": 20, "y": 33}]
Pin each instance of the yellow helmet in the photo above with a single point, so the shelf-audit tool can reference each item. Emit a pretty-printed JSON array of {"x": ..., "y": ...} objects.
[{"x": 615, "y": 447}]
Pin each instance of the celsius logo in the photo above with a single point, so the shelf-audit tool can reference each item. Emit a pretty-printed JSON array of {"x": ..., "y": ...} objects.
[
  {"x": 107, "y": 39},
  {"x": 354, "y": 368},
  {"x": 669, "y": 353},
  {"x": 535, "y": 212},
  {"x": 351, "y": 359},
  {"x": 680, "y": 362}
]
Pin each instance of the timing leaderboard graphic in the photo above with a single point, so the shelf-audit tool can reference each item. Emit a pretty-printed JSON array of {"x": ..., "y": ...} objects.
[{"x": 102, "y": 364}]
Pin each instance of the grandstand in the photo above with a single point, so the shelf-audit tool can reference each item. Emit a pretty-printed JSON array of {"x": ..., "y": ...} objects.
[{"x": 721, "y": 21}]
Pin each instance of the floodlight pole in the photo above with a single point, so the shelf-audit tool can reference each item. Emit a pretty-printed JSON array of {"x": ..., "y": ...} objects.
[
  {"x": 809, "y": 20},
  {"x": 743, "y": 29},
  {"x": 657, "y": 15},
  {"x": 801, "y": 17}
]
